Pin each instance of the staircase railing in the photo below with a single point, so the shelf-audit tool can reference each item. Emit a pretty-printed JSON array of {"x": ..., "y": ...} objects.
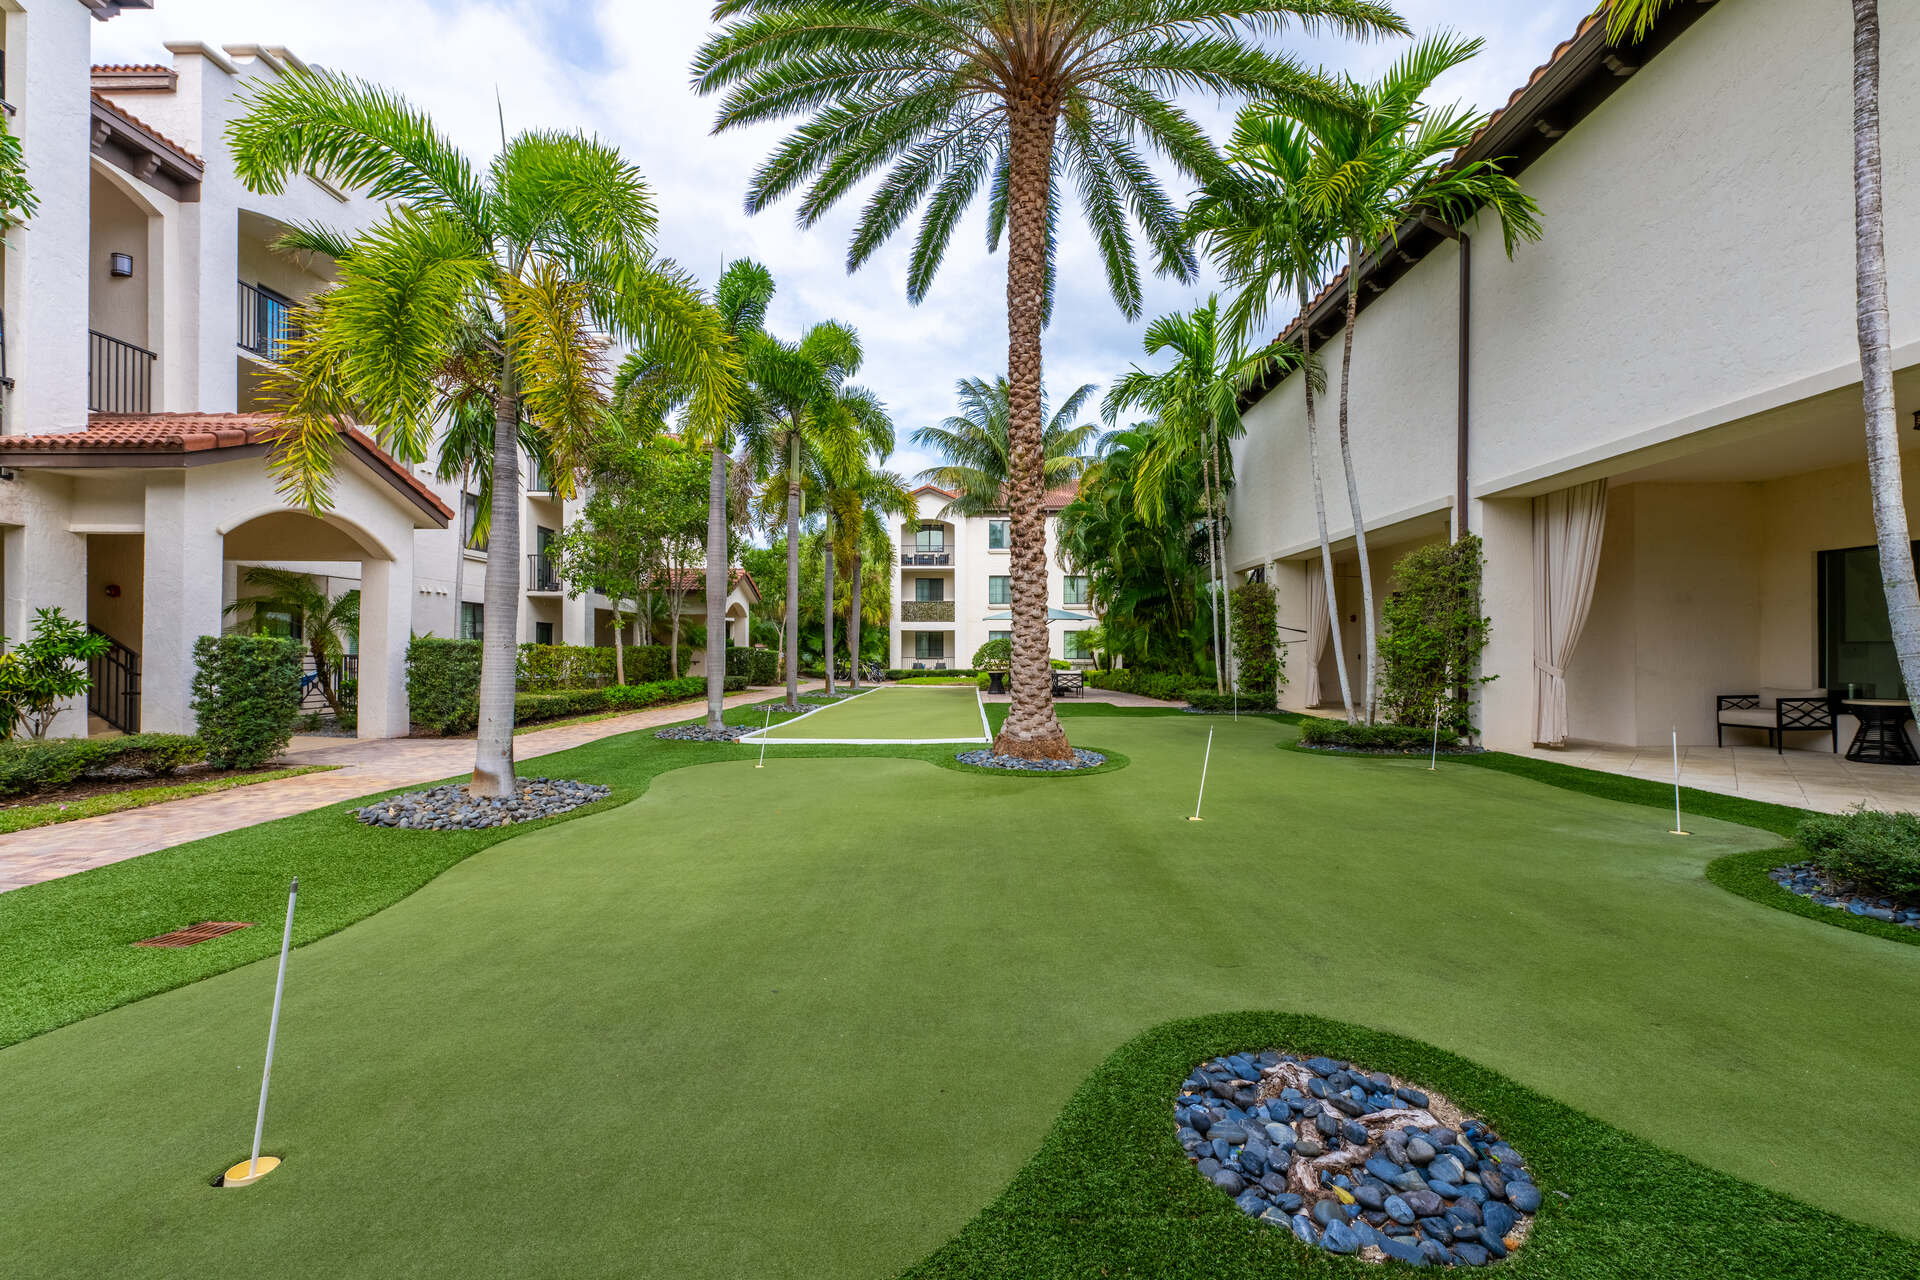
[{"x": 113, "y": 691}]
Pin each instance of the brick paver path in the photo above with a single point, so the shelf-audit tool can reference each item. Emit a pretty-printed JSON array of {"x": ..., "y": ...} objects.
[{"x": 47, "y": 853}]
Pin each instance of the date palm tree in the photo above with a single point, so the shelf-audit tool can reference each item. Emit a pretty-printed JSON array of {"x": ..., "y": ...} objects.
[
  {"x": 958, "y": 96},
  {"x": 1873, "y": 319},
  {"x": 537, "y": 263},
  {"x": 978, "y": 448}
]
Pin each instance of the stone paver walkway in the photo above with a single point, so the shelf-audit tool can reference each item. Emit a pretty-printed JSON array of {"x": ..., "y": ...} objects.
[
  {"x": 1807, "y": 779},
  {"x": 47, "y": 853}
]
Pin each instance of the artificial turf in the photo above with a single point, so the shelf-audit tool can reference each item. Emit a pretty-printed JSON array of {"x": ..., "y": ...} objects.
[
  {"x": 809, "y": 1020},
  {"x": 893, "y": 715}
]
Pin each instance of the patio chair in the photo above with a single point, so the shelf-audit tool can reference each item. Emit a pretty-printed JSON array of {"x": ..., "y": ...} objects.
[
  {"x": 1069, "y": 684},
  {"x": 1778, "y": 712}
]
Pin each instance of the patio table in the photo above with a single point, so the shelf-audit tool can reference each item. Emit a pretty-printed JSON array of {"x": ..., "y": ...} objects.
[{"x": 1882, "y": 735}]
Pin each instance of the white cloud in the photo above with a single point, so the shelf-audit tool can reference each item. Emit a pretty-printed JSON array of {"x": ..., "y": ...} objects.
[{"x": 619, "y": 69}]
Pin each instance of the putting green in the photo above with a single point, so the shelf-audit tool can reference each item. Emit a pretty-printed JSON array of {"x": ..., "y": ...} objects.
[
  {"x": 892, "y": 714},
  {"x": 809, "y": 1020}
]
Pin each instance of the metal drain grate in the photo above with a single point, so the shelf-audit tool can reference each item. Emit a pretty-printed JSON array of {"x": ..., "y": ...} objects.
[{"x": 194, "y": 933}]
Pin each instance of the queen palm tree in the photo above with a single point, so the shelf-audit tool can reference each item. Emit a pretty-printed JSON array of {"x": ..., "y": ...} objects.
[
  {"x": 859, "y": 498},
  {"x": 325, "y": 624},
  {"x": 953, "y": 97},
  {"x": 537, "y": 263},
  {"x": 1195, "y": 403},
  {"x": 977, "y": 445},
  {"x": 1873, "y": 321}
]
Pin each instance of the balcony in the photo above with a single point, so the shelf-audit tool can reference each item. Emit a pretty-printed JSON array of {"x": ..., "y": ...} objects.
[
  {"x": 263, "y": 322},
  {"x": 926, "y": 611},
  {"x": 914, "y": 554},
  {"x": 542, "y": 574},
  {"x": 119, "y": 375}
]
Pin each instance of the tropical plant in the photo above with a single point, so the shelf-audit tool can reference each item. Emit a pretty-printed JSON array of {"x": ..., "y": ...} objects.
[
  {"x": 1873, "y": 320},
  {"x": 39, "y": 676},
  {"x": 504, "y": 286},
  {"x": 1430, "y": 655},
  {"x": 294, "y": 605},
  {"x": 978, "y": 448},
  {"x": 1195, "y": 403},
  {"x": 857, "y": 497},
  {"x": 954, "y": 97},
  {"x": 1262, "y": 665},
  {"x": 17, "y": 201}
]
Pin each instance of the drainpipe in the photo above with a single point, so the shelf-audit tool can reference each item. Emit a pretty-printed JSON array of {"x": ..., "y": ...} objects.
[{"x": 1461, "y": 428}]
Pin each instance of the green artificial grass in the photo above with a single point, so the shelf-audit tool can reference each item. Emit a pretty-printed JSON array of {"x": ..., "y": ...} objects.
[
  {"x": 809, "y": 1020},
  {"x": 1111, "y": 1193},
  {"x": 1746, "y": 875},
  {"x": 894, "y": 714},
  {"x": 25, "y": 817}
]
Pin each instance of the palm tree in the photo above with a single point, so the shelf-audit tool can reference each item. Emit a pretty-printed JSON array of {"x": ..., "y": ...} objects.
[
  {"x": 1195, "y": 404},
  {"x": 811, "y": 413},
  {"x": 1265, "y": 240},
  {"x": 952, "y": 97},
  {"x": 326, "y": 623},
  {"x": 536, "y": 263},
  {"x": 977, "y": 445},
  {"x": 858, "y": 498},
  {"x": 1873, "y": 321}
]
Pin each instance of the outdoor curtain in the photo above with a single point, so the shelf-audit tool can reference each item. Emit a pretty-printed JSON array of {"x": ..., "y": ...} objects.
[
  {"x": 1318, "y": 629},
  {"x": 1567, "y": 526}
]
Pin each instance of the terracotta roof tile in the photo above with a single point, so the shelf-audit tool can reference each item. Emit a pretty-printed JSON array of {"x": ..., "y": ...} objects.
[
  {"x": 135, "y": 122},
  {"x": 133, "y": 66}
]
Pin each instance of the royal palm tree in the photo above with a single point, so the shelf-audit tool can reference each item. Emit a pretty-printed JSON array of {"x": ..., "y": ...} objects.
[
  {"x": 1873, "y": 319},
  {"x": 538, "y": 262},
  {"x": 954, "y": 97},
  {"x": 858, "y": 499},
  {"x": 1195, "y": 404},
  {"x": 325, "y": 624},
  {"x": 1268, "y": 243},
  {"x": 977, "y": 446}
]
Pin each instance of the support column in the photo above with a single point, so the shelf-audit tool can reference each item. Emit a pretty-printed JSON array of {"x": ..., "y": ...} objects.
[
  {"x": 46, "y": 568},
  {"x": 386, "y": 614},
  {"x": 181, "y": 595},
  {"x": 1291, "y": 582},
  {"x": 1505, "y": 713}
]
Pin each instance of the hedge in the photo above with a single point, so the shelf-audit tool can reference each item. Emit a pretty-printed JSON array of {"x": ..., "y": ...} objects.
[
  {"x": 532, "y": 708},
  {"x": 443, "y": 684},
  {"x": 30, "y": 768},
  {"x": 759, "y": 666},
  {"x": 652, "y": 663},
  {"x": 544, "y": 668},
  {"x": 1167, "y": 686},
  {"x": 1208, "y": 700},
  {"x": 1318, "y": 732},
  {"x": 246, "y": 697}
]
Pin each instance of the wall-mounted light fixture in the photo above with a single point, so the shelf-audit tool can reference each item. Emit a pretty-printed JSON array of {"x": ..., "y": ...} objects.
[
  {"x": 1916, "y": 419},
  {"x": 120, "y": 264}
]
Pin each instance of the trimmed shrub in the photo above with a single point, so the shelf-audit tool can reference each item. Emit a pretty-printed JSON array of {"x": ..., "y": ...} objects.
[
  {"x": 907, "y": 673},
  {"x": 1316, "y": 732},
  {"x": 632, "y": 697},
  {"x": 734, "y": 684},
  {"x": 1167, "y": 686},
  {"x": 1256, "y": 643},
  {"x": 994, "y": 653},
  {"x": 1433, "y": 636},
  {"x": 1208, "y": 700},
  {"x": 531, "y": 708},
  {"x": 443, "y": 684},
  {"x": 1876, "y": 852},
  {"x": 759, "y": 666},
  {"x": 652, "y": 663},
  {"x": 545, "y": 668},
  {"x": 246, "y": 697},
  {"x": 29, "y": 768}
]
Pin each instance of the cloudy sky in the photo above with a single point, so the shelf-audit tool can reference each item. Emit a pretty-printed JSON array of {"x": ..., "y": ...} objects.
[{"x": 618, "y": 68}]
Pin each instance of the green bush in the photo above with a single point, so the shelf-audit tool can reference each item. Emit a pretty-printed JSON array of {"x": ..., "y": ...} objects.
[
  {"x": 545, "y": 668},
  {"x": 652, "y": 663},
  {"x": 759, "y": 666},
  {"x": 39, "y": 676},
  {"x": 1370, "y": 737},
  {"x": 1433, "y": 636},
  {"x": 1878, "y": 853},
  {"x": 1209, "y": 700},
  {"x": 443, "y": 684},
  {"x": 994, "y": 653},
  {"x": 29, "y": 768},
  {"x": 734, "y": 684},
  {"x": 246, "y": 697},
  {"x": 1167, "y": 686},
  {"x": 907, "y": 673},
  {"x": 532, "y": 708},
  {"x": 1256, "y": 643}
]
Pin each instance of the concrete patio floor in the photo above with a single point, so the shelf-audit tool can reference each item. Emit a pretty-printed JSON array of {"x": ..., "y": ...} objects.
[{"x": 1809, "y": 779}]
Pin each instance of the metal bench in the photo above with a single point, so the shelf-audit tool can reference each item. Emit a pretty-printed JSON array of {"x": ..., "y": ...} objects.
[{"x": 1777, "y": 712}]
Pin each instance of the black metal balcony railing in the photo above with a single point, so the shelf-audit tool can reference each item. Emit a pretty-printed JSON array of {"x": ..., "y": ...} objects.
[
  {"x": 113, "y": 685},
  {"x": 915, "y": 554},
  {"x": 264, "y": 327},
  {"x": 926, "y": 611},
  {"x": 119, "y": 375},
  {"x": 540, "y": 573}
]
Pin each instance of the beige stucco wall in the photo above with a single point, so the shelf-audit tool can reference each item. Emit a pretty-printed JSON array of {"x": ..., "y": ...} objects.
[{"x": 118, "y": 305}]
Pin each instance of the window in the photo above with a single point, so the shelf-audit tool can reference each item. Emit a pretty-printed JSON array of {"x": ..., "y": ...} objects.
[
  {"x": 1074, "y": 589},
  {"x": 927, "y": 589},
  {"x": 1856, "y": 640},
  {"x": 470, "y": 618},
  {"x": 1075, "y": 643},
  {"x": 929, "y": 644},
  {"x": 1000, "y": 635},
  {"x": 1000, "y": 589},
  {"x": 543, "y": 633},
  {"x": 997, "y": 535},
  {"x": 470, "y": 521},
  {"x": 932, "y": 538}
]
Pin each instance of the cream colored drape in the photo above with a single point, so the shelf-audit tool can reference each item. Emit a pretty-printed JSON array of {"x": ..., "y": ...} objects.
[
  {"x": 1317, "y": 631},
  {"x": 1567, "y": 528}
]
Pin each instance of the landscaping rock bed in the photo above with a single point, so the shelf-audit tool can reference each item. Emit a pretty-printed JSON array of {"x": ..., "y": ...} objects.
[
  {"x": 985, "y": 759},
  {"x": 450, "y": 808},
  {"x": 1804, "y": 879},
  {"x": 700, "y": 733},
  {"x": 1355, "y": 1162}
]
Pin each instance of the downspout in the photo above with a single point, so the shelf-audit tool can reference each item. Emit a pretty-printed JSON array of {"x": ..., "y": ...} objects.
[{"x": 1462, "y": 424}]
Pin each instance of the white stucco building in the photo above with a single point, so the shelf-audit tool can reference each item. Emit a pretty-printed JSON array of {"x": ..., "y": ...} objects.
[
  {"x": 141, "y": 309},
  {"x": 953, "y": 591},
  {"x": 1658, "y": 405}
]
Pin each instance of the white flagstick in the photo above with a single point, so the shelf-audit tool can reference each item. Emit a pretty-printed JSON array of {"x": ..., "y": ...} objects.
[
  {"x": 763, "y": 737},
  {"x": 1678, "y": 830},
  {"x": 1204, "y": 762},
  {"x": 1433, "y": 764},
  {"x": 254, "y": 1171}
]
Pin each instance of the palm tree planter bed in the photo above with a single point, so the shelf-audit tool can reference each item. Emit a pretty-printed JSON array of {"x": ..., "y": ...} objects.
[
  {"x": 1353, "y": 1161},
  {"x": 454, "y": 808},
  {"x": 1802, "y": 878},
  {"x": 1082, "y": 759}
]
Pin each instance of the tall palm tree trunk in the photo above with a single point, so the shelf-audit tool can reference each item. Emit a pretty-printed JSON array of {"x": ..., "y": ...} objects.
[
  {"x": 493, "y": 753},
  {"x": 826, "y": 576},
  {"x": 1320, "y": 513},
  {"x": 793, "y": 568},
  {"x": 717, "y": 587},
  {"x": 853, "y": 622},
  {"x": 1220, "y": 528},
  {"x": 619, "y": 653},
  {"x": 1213, "y": 565},
  {"x": 1876, "y": 349},
  {"x": 1353, "y": 485},
  {"x": 460, "y": 560},
  {"x": 1032, "y": 730}
]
